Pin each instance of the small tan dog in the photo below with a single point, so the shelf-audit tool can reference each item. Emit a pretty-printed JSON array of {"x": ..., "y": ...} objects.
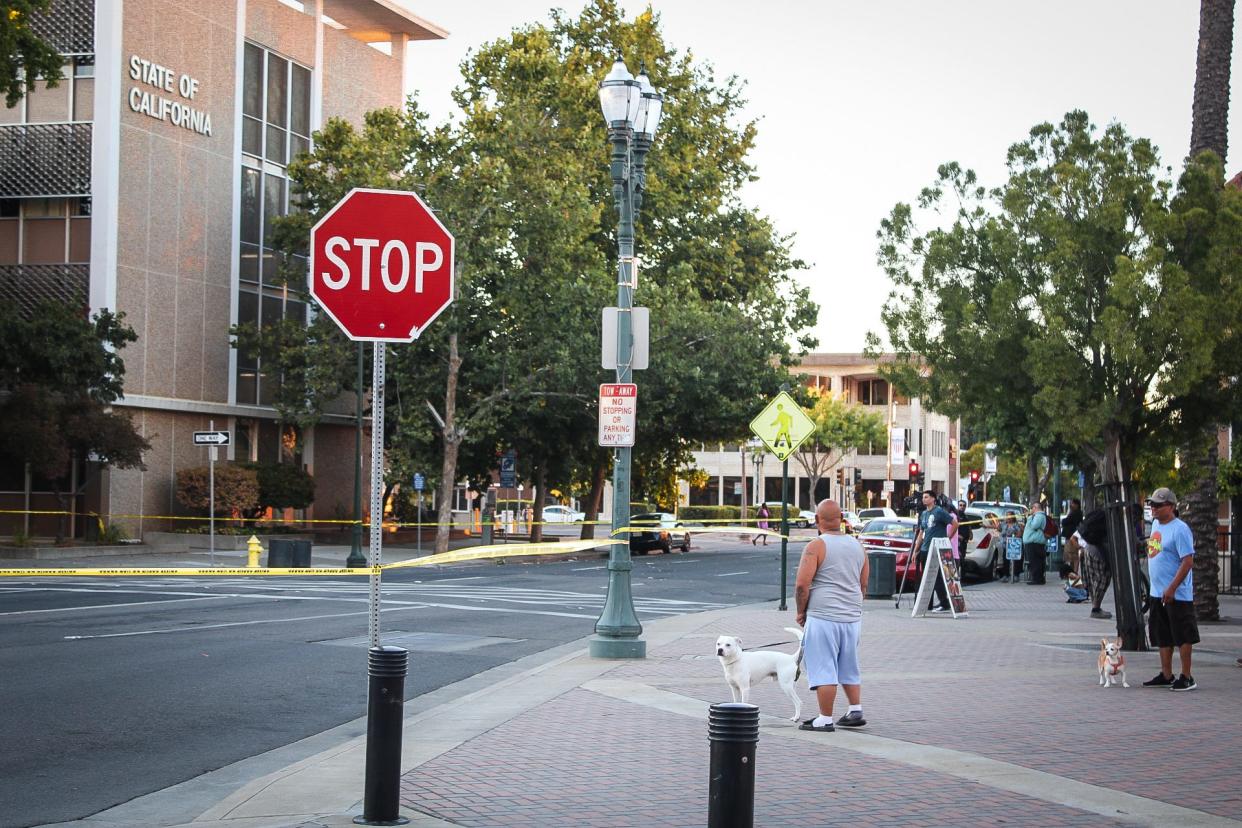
[{"x": 1111, "y": 663}]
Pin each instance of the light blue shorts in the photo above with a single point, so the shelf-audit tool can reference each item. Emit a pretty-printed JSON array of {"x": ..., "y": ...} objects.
[{"x": 831, "y": 652}]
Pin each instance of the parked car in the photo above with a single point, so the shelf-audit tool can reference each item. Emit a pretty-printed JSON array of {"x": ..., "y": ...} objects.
[
  {"x": 853, "y": 523},
  {"x": 865, "y": 515},
  {"x": 805, "y": 519},
  {"x": 985, "y": 551},
  {"x": 999, "y": 506},
  {"x": 896, "y": 535},
  {"x": 562, "y": 514},
  {"x": 665, "y": 532}
]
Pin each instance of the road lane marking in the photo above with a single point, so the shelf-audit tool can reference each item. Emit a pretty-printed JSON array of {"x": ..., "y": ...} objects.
[
  {"x": 587, "y": 568},
  {"x": 727, "y": 574},
  {"x": 110, "y": 606},
  {"x": 231, "y": 624}
]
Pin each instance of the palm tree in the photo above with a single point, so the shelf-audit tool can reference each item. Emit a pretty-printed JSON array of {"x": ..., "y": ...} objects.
[{"x": 1209, "y": 130}]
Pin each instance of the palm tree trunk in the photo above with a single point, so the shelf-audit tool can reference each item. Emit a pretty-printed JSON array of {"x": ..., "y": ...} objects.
[
  {"x": 1209, "y": 127},
  {"x": 1201, "y": 515},
  {"x": 1209, "y": 130}
]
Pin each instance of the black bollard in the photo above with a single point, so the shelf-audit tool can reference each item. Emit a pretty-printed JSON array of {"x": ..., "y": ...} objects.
[
  {"x": 381, "y": 804},
  {"x": 733, "y": 730}
]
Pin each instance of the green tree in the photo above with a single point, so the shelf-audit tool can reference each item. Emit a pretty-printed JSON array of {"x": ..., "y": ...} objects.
[
  {"x": 839, "y": 429},
  {"x": 1061, "y": 279},
  {"x": 59, "y": 374},
  {"x": 24, "y": 54}
]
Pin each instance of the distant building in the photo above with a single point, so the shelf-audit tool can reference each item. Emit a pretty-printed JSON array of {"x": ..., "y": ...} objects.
[
  {"x": 146, "y": 183},
  {"x": 931, "y": 438}
]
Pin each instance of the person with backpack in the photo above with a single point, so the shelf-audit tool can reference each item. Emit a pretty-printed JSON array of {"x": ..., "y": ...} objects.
[{"x": 1034, "y": 544}]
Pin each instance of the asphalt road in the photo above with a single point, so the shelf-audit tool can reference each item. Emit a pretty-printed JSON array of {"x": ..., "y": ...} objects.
[{"x": 114, "y": 688}]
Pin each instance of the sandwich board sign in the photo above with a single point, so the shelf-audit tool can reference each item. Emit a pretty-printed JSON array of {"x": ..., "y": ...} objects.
[
  {"x": 940, "y": 564},
  {"x": 782, "y": 425}
]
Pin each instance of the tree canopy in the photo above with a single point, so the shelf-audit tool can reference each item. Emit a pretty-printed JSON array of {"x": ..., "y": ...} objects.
[
  {"x": 1062, "y": 310},
  {"x": 23, "y": 53}
]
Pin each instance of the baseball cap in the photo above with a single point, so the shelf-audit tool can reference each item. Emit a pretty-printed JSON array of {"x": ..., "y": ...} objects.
[{"x": 1163, "y": 495}]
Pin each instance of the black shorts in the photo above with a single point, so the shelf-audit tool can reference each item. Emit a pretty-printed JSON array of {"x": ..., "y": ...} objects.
[{"x": 1172, "y": 625}]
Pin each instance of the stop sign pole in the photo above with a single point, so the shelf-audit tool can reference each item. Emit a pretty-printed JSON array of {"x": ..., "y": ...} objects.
[{"x": 381, "y": 266}]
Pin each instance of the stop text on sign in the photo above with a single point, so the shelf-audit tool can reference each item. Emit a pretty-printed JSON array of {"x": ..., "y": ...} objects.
[
  {"x": 381, "y": 265},
  {"x": 428, "y": 256},
  {"x": 618, "y": 414}
]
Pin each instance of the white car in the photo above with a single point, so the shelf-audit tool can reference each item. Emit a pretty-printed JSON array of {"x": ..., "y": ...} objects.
[
  {"x": 865, "y": 515},
  {"x": 562, "y": 514}
]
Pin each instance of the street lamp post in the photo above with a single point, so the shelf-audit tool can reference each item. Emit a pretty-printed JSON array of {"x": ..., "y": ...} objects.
[{"x": 632, "y": 110}]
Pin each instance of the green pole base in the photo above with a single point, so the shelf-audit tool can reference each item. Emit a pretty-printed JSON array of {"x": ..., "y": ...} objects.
[{"x": 604, "y": 647}]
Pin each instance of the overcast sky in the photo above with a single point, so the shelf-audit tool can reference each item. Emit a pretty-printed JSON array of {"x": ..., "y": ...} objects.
[{"x": 860, "y": 101}]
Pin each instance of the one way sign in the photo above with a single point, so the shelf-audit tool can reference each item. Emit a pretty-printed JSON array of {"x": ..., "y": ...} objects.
[{"x": 211, "y": 438}]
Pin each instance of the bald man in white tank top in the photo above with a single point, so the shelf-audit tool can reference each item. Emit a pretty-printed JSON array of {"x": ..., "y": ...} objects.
[{"x": 829, "y": 590}]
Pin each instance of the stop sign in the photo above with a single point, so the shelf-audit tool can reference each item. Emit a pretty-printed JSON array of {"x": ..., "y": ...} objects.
[{"x": 381, "y": 265}]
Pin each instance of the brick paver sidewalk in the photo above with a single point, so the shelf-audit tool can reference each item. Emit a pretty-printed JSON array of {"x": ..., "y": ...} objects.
[{"x": 995, "y": 719}]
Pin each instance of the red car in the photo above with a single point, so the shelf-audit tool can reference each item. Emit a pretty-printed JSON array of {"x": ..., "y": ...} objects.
[{"x": 896, "y": 535}]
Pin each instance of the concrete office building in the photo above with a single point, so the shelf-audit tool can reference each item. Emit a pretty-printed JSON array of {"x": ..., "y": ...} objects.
[
  {"x": 146, "y": 183},
  {"x": 930, "y": 437}
]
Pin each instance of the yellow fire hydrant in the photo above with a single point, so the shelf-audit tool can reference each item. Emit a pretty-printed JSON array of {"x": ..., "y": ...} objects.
[{"x": 254, "y": 548}]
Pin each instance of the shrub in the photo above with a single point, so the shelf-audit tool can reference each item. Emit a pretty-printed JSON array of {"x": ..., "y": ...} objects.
[
  {"x": 283, "y": 486},
  {"x": 709, "y": 513},
  {"x": 237, "y": 488}
]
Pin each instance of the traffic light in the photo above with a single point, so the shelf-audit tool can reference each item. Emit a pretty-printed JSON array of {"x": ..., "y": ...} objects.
[
  {"x": 914, "y": 469},
  {"x": 840, "y": 477},
  {"x": 974, "y": 476},
  {"x": 857, "y": 476}
]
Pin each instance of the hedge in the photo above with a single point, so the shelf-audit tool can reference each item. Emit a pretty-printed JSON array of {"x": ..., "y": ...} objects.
[{"x": 709, "y": 513}]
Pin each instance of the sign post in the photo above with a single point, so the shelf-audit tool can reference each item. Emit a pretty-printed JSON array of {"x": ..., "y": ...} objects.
[
  {"x": 420, "y": 483},
  {"x": 213, "y": 440},
  {"x": 783, "y": 426},
  {"x": 381, "y": 266}
]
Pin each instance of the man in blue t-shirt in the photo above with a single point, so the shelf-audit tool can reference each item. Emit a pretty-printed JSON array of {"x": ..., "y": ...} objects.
[
  {"x": 933, "y": 523},
  {"x": 1171, "y": 607}
]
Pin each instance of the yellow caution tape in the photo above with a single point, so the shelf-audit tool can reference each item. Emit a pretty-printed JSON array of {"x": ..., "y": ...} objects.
[{"x": 453, "y": 556}]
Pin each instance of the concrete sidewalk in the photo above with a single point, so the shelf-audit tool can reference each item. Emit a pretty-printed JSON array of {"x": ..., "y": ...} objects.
[{"x": 988, "y": 720}]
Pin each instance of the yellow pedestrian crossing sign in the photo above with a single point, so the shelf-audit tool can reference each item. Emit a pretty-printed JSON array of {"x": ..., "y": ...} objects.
[{"x": 782, "y": 425}]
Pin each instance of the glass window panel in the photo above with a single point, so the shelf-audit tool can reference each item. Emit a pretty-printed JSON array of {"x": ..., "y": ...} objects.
[
  {"x": 80, "y": 240},
  {"x": 247, "y": 386},
  {"x": 299, "y": 105},
  {"x": 252, "y": 137},
  {"x": 295, "y": 310},
  {"x": 80, "y": 206},
  {"x": 250, "y": 215},
  {"x": 276, "y": 145},
  {"x": 297, "y": 145},
  {"x": 272, "y": 277},
  {"x": 273, "y": 204},
  {"x": 247, "y": 314},
  {"x": 277, "y": 90},
  {"x": 10, "y": 208},
  {"x": 83, "y": 99},
  {"x": 248, "y": 264},
  {"x": 272, "y": 310},
  {"x": 84, "y": 67},
  {"x": 267, "y": 388},
  {"x": 43, "y": 207},
  {"x": 252, "y": 83}
]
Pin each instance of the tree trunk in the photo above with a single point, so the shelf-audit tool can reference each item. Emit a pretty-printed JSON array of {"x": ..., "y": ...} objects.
[
  {"x": 595, "y": 499},
  {"x": 1209, "y": 128},
  {"x": 1032, "y": 478},
  {"x": 1201, "y": 515},
  {"x": 452, "y": 443},
  {"x": 541, "y": 482}
]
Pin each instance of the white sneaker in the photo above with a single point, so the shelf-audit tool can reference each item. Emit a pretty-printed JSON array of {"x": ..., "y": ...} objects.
[{"x": 940, "y": 609}]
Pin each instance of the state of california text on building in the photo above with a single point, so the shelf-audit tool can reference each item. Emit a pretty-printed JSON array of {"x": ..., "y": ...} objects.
[{"x": 146, "y": 183}]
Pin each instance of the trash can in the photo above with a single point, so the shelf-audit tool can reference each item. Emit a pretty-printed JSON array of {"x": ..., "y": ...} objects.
[
  {"x": 285, "y": 553},
  {"x": 881, "y": 574}
]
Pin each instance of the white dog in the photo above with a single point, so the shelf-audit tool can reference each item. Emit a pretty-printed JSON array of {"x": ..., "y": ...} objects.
[
  {"x": 743, "y": 669},
  {"x": 1111, "y": 663}
]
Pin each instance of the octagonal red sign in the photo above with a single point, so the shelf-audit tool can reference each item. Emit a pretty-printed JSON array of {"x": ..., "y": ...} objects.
[{"x": 381, "y": 265}]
